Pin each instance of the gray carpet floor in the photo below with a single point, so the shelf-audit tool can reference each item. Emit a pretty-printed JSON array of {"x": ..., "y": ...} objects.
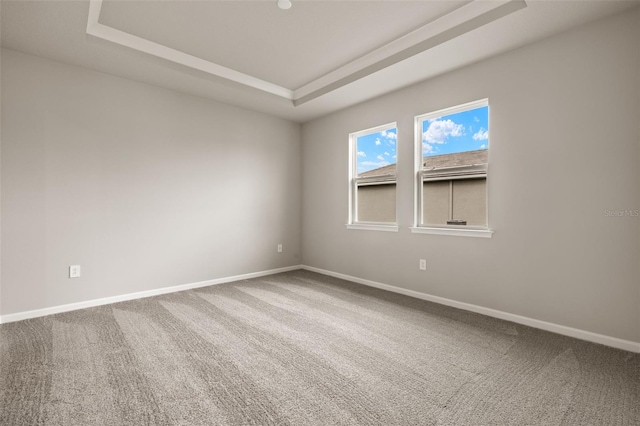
[{"x": 301, "y": 348}]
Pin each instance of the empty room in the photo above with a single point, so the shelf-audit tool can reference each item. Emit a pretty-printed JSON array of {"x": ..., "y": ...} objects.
[{"x": 299, "y": 212}]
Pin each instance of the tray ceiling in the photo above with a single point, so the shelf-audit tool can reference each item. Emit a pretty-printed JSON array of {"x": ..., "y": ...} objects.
[
  {"x": 269, "y": 43},
  {"x": 299, "y": 64},
  {"x": 289, "y": 48}
]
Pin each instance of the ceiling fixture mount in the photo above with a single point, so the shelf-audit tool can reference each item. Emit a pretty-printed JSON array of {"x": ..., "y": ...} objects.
[{"x": 284, "y": 4}]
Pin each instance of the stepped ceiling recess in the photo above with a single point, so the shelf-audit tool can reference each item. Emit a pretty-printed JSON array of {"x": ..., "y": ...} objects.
[{"x": 298, "y": 63}]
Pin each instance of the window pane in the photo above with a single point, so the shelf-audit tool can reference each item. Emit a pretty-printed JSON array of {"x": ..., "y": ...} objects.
[
  {"x": 375, "y": 198},
  {"x": 376, "y": 153},
  {"x": 459, "y": 132},
  {"x": 455, "y": 152},
  {"x": 377, "y": 203},
  {"x": 470, "y": 201},
  {"x": 436, "y": 202}
]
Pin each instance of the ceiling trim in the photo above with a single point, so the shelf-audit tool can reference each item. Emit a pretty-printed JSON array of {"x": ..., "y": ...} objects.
[
  {"x": 122, "y": 38},
  {"x": 460, "y": 21},
  {"x": 455, "y": 23}
]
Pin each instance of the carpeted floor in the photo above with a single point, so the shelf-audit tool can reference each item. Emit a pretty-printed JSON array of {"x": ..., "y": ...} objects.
[{"x": 301, "y": 348}]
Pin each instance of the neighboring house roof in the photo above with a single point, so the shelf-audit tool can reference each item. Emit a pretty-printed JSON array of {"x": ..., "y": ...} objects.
[
  {"x": 435, "y": 162},
  {"x": 382, "y": 171},
  {"x": 469, "y": 158}
]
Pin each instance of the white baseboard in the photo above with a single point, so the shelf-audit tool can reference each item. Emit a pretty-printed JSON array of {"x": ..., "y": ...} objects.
[
  {"x": 139, "y": 295},
  {"x": 589, "y": 336},
  {"x": 543, "y": 325}
]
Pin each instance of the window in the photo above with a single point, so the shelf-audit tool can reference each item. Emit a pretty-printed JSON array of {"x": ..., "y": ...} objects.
[
  {"x": 452, "y": 157},
  {"x": 372, "y": 178}
]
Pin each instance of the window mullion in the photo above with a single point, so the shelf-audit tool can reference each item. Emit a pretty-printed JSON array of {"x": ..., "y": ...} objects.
[{"x": 450, "y": 200}]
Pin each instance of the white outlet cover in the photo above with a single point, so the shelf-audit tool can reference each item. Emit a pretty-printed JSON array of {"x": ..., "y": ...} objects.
[{"x": 74, "y": 271}]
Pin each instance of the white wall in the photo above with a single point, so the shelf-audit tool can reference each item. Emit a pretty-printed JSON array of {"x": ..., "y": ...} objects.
[
  {"x": 565, "y": 147},
  {"x": 143, "y": 187}
]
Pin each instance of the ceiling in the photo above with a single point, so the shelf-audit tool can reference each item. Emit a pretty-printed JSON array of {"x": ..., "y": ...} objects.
[
  {"x": 289, "y": 48},
  {"x": 299, "y": 64}
]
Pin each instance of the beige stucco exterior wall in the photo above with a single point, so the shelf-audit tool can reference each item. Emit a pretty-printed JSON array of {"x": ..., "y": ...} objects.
[
  {"x": 443, "y": 200},
  {"x": 377, "y": 203}
]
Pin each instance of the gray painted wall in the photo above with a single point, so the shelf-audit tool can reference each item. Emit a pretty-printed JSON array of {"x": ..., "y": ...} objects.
[
  {"x": 565, "y": 148},
  {"x": 143, "y": 187}
]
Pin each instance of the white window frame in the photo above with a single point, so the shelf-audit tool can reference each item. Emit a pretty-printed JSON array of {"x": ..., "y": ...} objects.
[
  {"x": 355, "y": 181},
  {"x": 463, "y": 173}
]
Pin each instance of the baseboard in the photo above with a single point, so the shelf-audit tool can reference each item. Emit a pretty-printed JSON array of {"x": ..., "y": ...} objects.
[
  {"x": 531, "y": 322},
  {"x": 139, "y": 295},
  {"x": 589, "y": 336}
]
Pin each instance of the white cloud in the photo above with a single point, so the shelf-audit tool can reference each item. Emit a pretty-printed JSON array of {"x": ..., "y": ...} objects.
[
  {"x": 378, "y": 143},
  {"x": 394, "y": 157},
  {"x": 389, "y": 135},
  {"x": 427, "y": 149},
  {"x": 481, "y": 135},
  {"x": 362, "y": 154},
  {"x": 380, "y": 157},
  {"x": 440, "y": 130},
  {"x": 483, "y": 146},
  {"x": 370, "y": 165},
  {"x": 476, "y": 119},
  {"x": 386, "y": 153}
]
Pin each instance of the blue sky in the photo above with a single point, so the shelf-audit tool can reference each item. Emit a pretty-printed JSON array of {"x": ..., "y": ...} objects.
[
  {"x": 459, "y": 132},
  {"x": 376, "y": 150}
]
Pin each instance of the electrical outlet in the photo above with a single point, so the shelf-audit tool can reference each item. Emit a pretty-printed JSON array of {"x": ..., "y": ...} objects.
[
  {"x": 279, "y": 248},
  {"x": 423, "y": 264},
  {"x": 74, "y": 271}
]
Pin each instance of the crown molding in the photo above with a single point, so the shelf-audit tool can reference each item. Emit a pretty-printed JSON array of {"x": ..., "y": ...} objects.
[
  {"x": 464, "y": 19},
  {"x": 96, "y": 29},
  {"x": 459, "y": 21}
]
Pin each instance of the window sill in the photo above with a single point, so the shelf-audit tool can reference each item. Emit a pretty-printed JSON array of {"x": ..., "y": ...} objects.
[
  {"x": 477, "y": 233},
  {"x": 373, "y": 227}
]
